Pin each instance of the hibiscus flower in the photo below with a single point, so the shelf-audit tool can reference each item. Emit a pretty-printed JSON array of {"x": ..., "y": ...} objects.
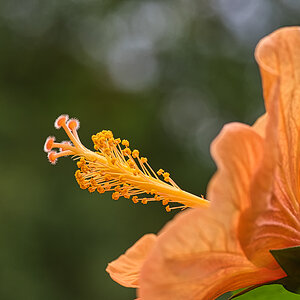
[
  {"x": 205, "y": 252},
  {"x": 221, "y": 244}
]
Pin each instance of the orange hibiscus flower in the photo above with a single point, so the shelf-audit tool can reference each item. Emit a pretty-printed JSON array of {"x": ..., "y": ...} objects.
[
  {"x": 254, "y": 196},
  {"x": 222, "y": 244}
]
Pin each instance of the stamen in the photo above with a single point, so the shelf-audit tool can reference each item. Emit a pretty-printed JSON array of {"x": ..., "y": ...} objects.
[
  {"x": 168, "y": 208},
  {"x": 114, "y": 167}
]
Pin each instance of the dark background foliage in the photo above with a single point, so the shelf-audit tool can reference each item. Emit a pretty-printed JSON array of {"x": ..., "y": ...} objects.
[{"x": 166, "y": 75}]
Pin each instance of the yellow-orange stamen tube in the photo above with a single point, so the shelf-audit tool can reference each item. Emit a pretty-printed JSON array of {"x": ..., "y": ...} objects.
[{"x": 117, "y": 169}]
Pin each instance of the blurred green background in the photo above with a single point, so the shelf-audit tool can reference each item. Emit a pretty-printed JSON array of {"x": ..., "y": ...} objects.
[{"x": 166, "y": 75}]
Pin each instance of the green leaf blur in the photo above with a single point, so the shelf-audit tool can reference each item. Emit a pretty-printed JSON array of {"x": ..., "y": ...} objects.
[
  {"x": 274, "y": 292},
  {"x": 289, "y": 260}
]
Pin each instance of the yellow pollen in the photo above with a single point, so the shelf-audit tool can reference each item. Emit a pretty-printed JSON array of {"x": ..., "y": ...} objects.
[
  {"x": 107, "y": 177},
  {"x": 135, "y": 153},
  {"x": 166, "y": 174},
  {"x": 100, "y": 190},
  {"x": 160, "y": 171},
  {"x": 144, "y": 160},
  {"x": 116, "y": 196},
  {"x": 152, "y": 192},
  {"x": 92, "y": 189},
  {"x": 126, "y": 151},
  {"x": 125, "y": 143},
  {"x": 165, "y": 201},
  {"x": 106, "y": 151},
  {"x": 93, "y": 182},
  {"x": 113, "y": 167},
  {"x": 117, "y": 141},
  {"x": 135, "y": 199}
]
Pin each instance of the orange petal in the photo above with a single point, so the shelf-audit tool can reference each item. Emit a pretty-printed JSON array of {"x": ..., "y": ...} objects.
[
  {"x": 272, "y": 221},
  {"x": 278, "y": 57},
  {"x": 198, "y": 255},
  {"x": 195, "y": 257},
  {"x": 126, "y": 269},
  {"x": 238, "y": 153},
  {"x": 260, "y": 125}
]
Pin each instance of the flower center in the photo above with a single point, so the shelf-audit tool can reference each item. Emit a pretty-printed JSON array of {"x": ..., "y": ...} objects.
[{"x": 114, "y": 167}]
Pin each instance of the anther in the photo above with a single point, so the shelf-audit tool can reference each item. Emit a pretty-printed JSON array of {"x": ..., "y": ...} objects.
[
  {"x": 93, "y": 182},
  {"x": 144, "y": 160},
  {"x": 160, "y": 171},
  {"x": 135, "y": 153},
  {"x": 125, "y": 143},
  {"x": 135, "y": 199},
  {"x": 165, "y": 201},
  {"x": 107, "y": 177},
  {"x": 108, "y": 134},
  {"x": 100, "y": 189},
  {"x": 117, "y": 141},
  {"x": 78, "y": 174},
  {"x": 91, "y": 189},
  {"x": 166, "y": 176},
  {"x": 126, "y": 151},
  {"x": 116, "y": 196}
]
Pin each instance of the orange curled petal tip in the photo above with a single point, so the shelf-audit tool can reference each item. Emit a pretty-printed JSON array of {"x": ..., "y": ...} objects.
[
  {"x": 73, "y": 124},
  {"x": 49, "y": 143},
  {"x": 60, "y": 121},
  {"x": 126, "y": 269},
  {"x": 52, "y": 157}
]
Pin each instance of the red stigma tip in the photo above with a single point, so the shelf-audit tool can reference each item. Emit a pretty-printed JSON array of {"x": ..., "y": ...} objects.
[
  {"x": 52, "y": 157},
  {"x": 60, "y": 121},
  {"x": 73, "y": 124},
  {"x": 49, "y": 143}
]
